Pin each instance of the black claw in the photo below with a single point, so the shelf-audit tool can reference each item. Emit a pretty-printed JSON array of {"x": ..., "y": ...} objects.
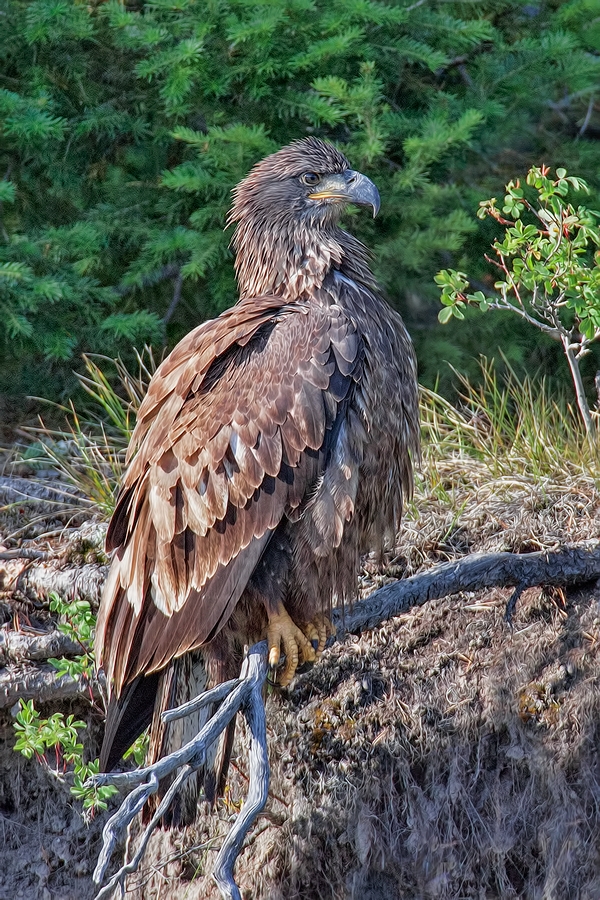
[
  {"x": 273, "y": 670},
  {"x": 304, "y": 667}
]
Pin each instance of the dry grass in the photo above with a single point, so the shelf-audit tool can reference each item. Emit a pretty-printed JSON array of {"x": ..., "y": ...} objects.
[
  {"x": 87, "y": 453},
  {"x": 508, "y": 468}
]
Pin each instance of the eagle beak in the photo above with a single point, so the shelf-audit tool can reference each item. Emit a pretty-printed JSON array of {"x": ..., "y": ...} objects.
[{"x": 349, "y": 187}]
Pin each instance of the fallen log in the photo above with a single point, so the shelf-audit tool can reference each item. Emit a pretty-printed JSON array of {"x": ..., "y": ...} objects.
[
  {"x": 18, "y": 491},
  {"x": 22, "y": 646},
  {"x": 574, "y": 564},
  {"x": 42, "y": 684},
  {"x": 70, "y": 582}
]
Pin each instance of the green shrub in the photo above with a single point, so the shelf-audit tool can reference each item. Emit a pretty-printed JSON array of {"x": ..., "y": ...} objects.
[
  {"x": 54, "y": 741},
  {"x": 124, "y": 126},
  {"x": 548, "y": 268}
]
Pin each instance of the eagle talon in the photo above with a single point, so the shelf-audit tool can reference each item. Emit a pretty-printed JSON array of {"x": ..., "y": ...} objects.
[
  {"x": 312, "y": 635},
  {"x": 321, "y": 629},
  {"x": 284, "y": 634}
]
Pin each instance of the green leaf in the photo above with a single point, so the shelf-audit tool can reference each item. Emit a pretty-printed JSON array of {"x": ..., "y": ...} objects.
[{"x": 7, "y": 192}]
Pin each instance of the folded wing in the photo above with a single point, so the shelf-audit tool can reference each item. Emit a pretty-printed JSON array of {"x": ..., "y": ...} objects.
[{"x": 235, "y": 434}]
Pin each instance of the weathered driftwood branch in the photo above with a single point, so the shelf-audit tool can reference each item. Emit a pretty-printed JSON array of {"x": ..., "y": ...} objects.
[
  {"x": 243, "y": 694},
  {"x": 572, "y": 564},
  {"x": 22, "y": 646},
  {"x": 42, "y": 684},
  {"x": 569, "y": 565},
  {"x": 15, "y": 491},
  {"x": 27, "y": 553},
  {"x": 71, "y": 582},
  {"x": 37, "y": 573}
]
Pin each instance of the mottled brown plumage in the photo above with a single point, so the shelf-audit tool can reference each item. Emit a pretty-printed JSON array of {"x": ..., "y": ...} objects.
[{"x": 272, "y": 449}]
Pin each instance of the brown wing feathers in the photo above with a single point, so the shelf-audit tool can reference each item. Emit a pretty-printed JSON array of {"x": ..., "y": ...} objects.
[{"x": 215, "y": 474}]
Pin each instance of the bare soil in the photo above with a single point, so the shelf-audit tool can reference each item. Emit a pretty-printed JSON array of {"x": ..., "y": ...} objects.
[{"x": 443, "y": 755}]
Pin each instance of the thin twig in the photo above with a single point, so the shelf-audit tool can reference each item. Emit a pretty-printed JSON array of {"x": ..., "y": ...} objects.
[
  {"x": 175, "y": 300},
  {"x": 582, "y": 403},
  {"x": 132, "y": 865},
  {"x": 588, "y": 116}
]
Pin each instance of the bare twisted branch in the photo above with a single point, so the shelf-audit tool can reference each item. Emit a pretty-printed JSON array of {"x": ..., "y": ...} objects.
[{"x": 243, "y": 694}]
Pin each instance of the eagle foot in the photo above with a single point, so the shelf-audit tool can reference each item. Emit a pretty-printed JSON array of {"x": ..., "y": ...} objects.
[
  {"x": 318, "y": 631},
  {"x": 284, "y": 634}
]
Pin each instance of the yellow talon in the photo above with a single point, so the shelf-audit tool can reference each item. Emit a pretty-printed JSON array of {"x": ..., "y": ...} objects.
[
  {"x": 283, "y": 633},
  {"x": 311, "y": 634}
]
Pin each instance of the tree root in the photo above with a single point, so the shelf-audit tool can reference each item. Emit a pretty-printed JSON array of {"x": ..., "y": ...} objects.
[{"x": 572, "y": 564}]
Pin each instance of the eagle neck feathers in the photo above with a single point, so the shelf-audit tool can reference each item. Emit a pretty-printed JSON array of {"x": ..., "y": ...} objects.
[{"x": 292, "y": 263}]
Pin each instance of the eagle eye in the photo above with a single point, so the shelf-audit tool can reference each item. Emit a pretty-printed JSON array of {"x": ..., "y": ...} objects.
[{"x": 310, "y": 178}]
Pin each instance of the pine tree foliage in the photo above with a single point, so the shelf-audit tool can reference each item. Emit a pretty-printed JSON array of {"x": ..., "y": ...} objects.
[{"x": 124, "y": 126}]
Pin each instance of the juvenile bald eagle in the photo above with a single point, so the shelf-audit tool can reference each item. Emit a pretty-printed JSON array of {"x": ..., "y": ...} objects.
[{"x": 273, "y": 448}]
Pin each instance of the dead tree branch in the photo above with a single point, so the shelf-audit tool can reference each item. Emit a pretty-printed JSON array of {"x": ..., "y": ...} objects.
[
  {"x": 42, "y": 684},
  {"x": 71, "y": 582},
  {"x": 21, "y": 646},
  {"x": 27, "y": 553},
  {"x": 16, "y": 491},
  {"x": 244, "y": 694},
  {"x": 570, "y": 565}
]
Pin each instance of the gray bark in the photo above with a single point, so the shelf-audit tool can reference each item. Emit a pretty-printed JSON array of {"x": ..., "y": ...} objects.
[
  {"x": 71, "y": 582},
  {"x": 42, "y": 684},
  {"x": 245, "y": 694},
  {"x": 20, "y": 646},
  {"x": 570, "y": 565}
]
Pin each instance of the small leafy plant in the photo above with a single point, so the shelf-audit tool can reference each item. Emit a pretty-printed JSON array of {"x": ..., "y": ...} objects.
[
  {"x": 548, "y": 266},
  {"x": 54, "y": 741},
  {"x": 78, "y": 624},
  {"x": 37, "y": 736}
]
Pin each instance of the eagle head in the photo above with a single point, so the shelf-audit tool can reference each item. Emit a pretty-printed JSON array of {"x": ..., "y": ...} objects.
[
  {"x": 286, "y": 212},
  {"x": 309, "y": 181}
]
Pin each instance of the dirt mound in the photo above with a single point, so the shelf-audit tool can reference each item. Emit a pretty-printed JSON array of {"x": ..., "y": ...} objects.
[
  {"x": 47, "y": 851},
  {"x": 443, "y": 755}
]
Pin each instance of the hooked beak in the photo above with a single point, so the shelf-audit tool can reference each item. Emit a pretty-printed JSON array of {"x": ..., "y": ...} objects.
[{"x": 348, "y": 187}]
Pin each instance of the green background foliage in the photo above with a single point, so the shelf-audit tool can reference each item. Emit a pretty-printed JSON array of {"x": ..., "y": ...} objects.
[{"x": 124, "y": 126}]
